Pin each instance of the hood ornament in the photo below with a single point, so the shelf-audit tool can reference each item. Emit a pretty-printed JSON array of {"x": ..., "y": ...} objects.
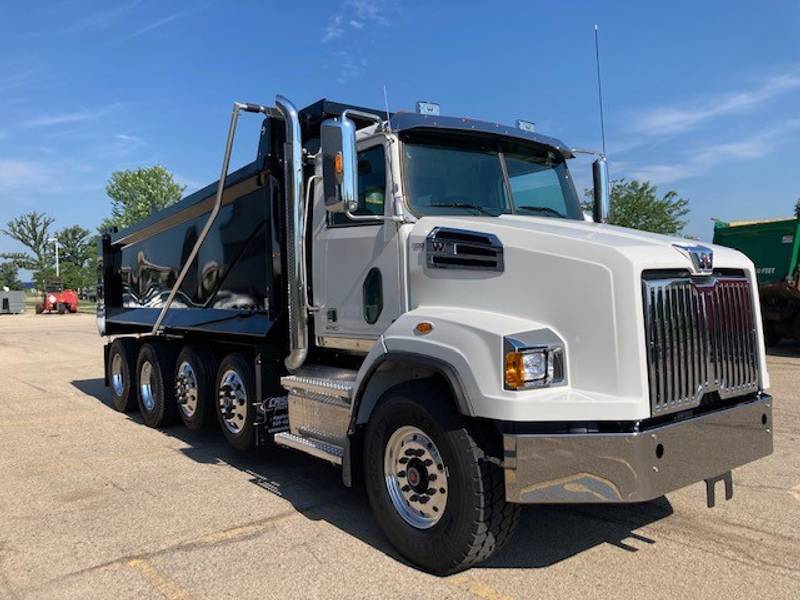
[{"x": 701, "y": 257}]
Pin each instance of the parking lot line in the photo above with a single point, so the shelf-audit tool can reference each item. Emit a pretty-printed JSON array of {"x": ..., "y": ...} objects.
[
  {"x": 168, "y": 588},
  {"x": 465, "y": 583}
]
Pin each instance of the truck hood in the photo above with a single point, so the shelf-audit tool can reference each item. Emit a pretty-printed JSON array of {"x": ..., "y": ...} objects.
[
  {"x": 651, "y": 250},
  {"x": 579, "y": 279}
]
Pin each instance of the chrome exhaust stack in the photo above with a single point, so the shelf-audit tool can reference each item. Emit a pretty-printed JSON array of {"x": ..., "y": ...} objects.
[{"x": 293, "y": 172}]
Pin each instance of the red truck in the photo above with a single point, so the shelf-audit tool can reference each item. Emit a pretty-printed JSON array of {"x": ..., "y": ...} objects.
[{"x": 57, "y": 299}]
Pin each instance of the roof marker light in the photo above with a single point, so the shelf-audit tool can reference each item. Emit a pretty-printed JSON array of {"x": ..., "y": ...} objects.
[
  {"x": 528, "y": 126},
  {"x": 427, "y": 108}
]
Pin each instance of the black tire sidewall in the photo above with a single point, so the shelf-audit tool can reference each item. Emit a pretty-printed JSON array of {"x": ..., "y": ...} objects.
[
  {"x": 164, "y": 410},
  {"x": 202, "y": 363},
  {"x": 245, "y": 439},
  {"x": 440, "y": 547},
  {"x": 126, "y": 349}
]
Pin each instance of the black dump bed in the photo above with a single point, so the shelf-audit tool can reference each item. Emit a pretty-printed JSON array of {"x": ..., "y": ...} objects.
[
  {"x": 235, "y": 286},
  {"x": 229, "y": 288}
]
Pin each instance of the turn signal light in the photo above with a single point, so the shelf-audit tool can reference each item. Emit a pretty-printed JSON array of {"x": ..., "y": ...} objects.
[
  {"x": 338, "y": 163},
  {"x": 514, "y": 371}
]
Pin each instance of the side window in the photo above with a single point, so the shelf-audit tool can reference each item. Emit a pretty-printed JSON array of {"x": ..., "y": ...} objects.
[
  {"x": 371, "y": 185},
  {"x": 373, "y": 296}
]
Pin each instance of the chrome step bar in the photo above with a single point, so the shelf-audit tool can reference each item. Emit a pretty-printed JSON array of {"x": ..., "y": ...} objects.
[
  {"x": 320, "y": 406},
  {"x": 311, "y": 446}
]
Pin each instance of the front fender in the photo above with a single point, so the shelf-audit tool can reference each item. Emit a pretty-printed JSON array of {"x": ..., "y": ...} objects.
[{"x": 466, "y": 345}]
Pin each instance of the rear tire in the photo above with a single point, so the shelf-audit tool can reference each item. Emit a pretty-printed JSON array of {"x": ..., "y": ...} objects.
[
  {"x": 121, "y": 365},
  {"x": 475, "y": 519},
  {"x": 155, "y": 384},
  {"x": 39, "y": 309},
  {"x": 61, "y": 308},
  {"x": 234, "y": 397},
  {"x": 195, "y": 372}
]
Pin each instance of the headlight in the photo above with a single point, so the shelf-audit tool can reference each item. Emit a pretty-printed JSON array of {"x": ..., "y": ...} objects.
[{"x": 533, "y": 367}]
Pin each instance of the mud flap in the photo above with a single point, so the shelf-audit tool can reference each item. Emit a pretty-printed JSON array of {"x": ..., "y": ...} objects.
[{"x": 711, "y": 484}]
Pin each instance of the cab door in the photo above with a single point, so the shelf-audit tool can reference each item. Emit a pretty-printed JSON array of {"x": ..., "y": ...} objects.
[{"x": 356, "y": 272}]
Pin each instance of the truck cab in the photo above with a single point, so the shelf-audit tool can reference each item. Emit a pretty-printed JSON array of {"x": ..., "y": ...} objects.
[{"x": 443, "y": 322}]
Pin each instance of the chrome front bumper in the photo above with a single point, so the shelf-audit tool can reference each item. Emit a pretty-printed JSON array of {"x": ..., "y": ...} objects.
[{"x": 635, "y": 467}]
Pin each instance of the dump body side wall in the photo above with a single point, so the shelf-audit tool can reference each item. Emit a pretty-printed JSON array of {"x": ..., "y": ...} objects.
[
  {"x": 232, "y": 287},
  {"x": 772, "y": 246}
]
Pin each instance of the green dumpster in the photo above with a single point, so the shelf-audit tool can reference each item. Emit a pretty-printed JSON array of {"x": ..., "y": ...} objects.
[{"x": 773, "y": 246}]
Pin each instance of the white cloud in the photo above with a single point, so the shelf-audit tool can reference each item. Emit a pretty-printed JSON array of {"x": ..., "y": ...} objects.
[
  {"x": 168, "y": 19},
  {"x": 333, "y": 30},
  {"x": 704, "y": 158},
  {"x": 48, "y": 120},
  {"x": 356, "y": 14},
  {"x": 669, "y": 120},
  {"x": 348, "y": 67}
]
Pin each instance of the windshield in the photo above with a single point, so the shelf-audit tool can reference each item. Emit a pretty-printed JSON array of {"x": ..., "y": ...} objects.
[{"x": 469, "y": 179}]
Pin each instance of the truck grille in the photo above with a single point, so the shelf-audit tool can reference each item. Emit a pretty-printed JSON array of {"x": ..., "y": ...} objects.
[{"x": 701, "y": 338}]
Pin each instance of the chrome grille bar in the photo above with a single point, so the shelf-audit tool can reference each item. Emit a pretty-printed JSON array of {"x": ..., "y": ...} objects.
[{"x": 701, "y": 338}]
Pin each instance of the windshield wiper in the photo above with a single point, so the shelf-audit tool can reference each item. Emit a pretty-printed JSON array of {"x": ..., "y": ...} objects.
[
  {"x": 542, "y": 209},
  {"x": 467, "y": 205}
]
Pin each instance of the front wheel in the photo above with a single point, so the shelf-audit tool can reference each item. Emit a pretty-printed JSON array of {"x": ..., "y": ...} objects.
[{"x": 435, "y": 494}]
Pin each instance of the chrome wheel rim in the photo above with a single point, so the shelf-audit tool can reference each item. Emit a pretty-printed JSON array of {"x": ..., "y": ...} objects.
[
  {"x": 146, "y": 386},
  {"x": 232, "y": 400},
  {"x": 416, "y": 477},
  {"x": 117, "y": 376},
  {"x": 186, "y": 389}
]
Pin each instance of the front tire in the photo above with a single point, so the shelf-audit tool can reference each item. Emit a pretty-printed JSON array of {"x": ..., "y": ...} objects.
[
  {"x": 39, "y": 309},
  {"x": 155, "y": 384},
  {"x": 446, "y": 468},
  {"x": 235, "y": 395},
  {"x": 195, "y": 371}
]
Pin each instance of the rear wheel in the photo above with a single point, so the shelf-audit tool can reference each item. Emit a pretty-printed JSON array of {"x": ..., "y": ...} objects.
[
  {"x": 434, "y": 493},
  {"x": 235, "y": 395},
  {"x": 155, "y": 370},
  {"x": 39, "y": 309},
  {"x": 195, "y": 370},
  {"x": 61, "y": 308},
  {"x": 121, "y": 364}
]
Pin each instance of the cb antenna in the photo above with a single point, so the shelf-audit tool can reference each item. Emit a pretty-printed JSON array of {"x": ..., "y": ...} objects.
[
  {"x": 386, "y": 104},
  {"x": 599, "y": 87}
]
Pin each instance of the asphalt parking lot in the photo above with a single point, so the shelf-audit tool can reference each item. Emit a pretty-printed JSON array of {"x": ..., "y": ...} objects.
[{"x": 93, "y": 504}]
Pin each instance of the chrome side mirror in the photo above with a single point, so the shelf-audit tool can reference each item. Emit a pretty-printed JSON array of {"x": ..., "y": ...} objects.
[
  {"x": 602, "y": 200},
  {"x": 339, "y": 165}
]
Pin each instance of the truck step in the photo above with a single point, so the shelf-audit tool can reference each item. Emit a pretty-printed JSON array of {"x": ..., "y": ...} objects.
[
  {"x": 325, "y": 381},
  {"x": 320, "y": 403},
  {"x": 311, "y": 446}
]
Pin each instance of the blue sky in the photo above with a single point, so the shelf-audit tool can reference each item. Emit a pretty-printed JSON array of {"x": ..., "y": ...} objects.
[{"x": 701, "y": 97}]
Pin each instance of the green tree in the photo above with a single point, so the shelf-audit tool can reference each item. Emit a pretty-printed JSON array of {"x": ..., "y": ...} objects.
[
  {"x": 797, "y": 209},
  {"x": 8, "y": 276},
  {"x": 636, "y": 204},
  {"x": 77, "y": 256},
  {"x": 32, "y": 230},
  {"x": 137, "y": 193}
]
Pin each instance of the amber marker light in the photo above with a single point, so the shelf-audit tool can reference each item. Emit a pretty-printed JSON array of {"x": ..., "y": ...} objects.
[
  {"x": 338, "y": 163},
  {"x": 423, "y": 328},
  {"x": 514, "y": 371}
]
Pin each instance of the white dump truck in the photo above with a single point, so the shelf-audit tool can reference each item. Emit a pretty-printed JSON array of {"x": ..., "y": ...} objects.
[{"x": 421, "y": 300}]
